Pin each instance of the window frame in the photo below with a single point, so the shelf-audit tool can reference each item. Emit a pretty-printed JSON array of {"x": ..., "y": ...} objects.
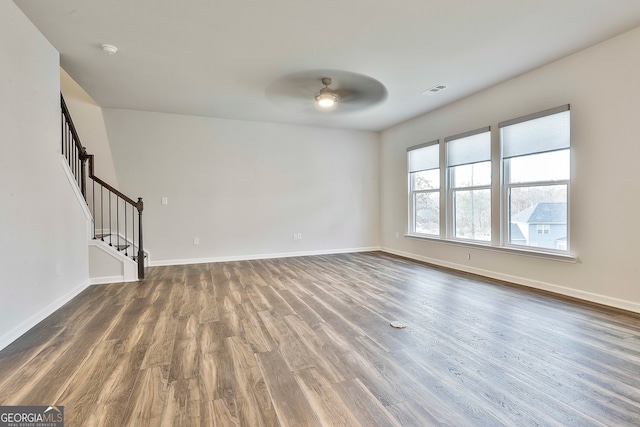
[
  {"x": 451, "y": 190},
  {"x": 499, "y": 188},
  {"x": 412, "y": 193},
  {"x": 506, "y": 187}
]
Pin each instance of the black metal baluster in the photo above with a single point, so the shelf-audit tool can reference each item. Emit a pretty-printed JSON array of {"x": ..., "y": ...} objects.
[
  {"x": 126, "y": 236},
  {"x": 133, "y": 231},
  {"x": 93, "y": 203},
  {"x": 110, "y": 222},
  {"x": 118, "y": 221},
  {"x": 101, "y": 214},
  {"x": 83, "y": 174}
]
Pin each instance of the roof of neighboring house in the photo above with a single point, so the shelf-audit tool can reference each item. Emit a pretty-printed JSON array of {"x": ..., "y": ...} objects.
[
  {"x": 543, "y": 213},
  {"x": 516, "y": 234}
]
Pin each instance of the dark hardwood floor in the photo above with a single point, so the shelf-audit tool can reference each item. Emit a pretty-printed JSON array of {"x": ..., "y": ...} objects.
[{"x": 306, "y": 342}]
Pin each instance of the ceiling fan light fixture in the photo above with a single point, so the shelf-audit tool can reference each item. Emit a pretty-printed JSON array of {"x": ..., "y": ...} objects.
[{"x": 326, "y": 97}]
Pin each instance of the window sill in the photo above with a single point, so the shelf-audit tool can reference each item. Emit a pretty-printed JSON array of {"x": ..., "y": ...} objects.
[{"x": 509, "y": 250}]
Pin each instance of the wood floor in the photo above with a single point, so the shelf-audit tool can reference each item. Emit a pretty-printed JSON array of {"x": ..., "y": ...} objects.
[{"x": 306, "y": 342}]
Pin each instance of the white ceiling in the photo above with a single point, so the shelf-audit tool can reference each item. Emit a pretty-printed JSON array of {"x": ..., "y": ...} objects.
[{"x": 219, "y": 58}]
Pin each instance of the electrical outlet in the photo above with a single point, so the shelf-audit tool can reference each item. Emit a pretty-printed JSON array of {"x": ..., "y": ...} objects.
[
  {"x": 468, "y": 256},
  {"x": 165, "y": 200},
  {"x": 196, "y": 241},
  {"x": 295, "y": 236},
  {"x": 299, "y": 236}
]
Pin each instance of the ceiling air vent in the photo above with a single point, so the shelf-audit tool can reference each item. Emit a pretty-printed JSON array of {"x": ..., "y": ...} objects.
[{"x": 434, "y": 90}]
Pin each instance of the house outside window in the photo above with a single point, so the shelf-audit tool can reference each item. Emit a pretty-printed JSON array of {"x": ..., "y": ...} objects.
[{"x": 536, "y": 171}]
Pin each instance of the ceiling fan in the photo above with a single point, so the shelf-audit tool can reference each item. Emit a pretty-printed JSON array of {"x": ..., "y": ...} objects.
[{"x": 343, "y": 91}]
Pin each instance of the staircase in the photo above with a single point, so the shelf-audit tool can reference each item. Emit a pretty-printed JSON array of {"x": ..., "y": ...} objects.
[{"x": 116, "y": 218}]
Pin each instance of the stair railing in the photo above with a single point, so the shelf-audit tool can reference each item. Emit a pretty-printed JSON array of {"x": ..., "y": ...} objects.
[
  {"x": 108, "y": 205},
  {"x": 72, "y": 150}
]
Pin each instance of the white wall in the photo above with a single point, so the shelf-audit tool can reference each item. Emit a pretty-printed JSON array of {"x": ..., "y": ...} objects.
[
  {"x": 104, "y": 265},
  {"x": 602, "y": 84},
  {"x": 243, "y": 188},
  {"x": 87, "y": 118},
  {"x": 43, "y": 241}
]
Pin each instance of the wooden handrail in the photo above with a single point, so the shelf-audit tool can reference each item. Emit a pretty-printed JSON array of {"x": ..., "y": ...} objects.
[
  {"x": 72, "y": 128},
  {"x": 106, "y": 185}
]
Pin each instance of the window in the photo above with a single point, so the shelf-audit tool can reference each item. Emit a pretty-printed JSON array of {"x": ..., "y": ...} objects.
[
  {"x": 455, "y": 202},
  {"x": 469, "y": 169},
  {"x": 543, "y": 228},
  {"x": 536, "y": 170},
  {"x": 424, "y": 188}
]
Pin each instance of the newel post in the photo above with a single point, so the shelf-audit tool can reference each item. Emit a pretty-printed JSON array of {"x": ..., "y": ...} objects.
[
  {"x": 140, "y": 206},
  {"x": 83, "y": 172}
]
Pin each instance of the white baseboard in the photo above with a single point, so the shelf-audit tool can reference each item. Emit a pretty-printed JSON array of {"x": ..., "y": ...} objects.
[
  {"x": 38, "y": 317},
  {"x": 260, "y": 256},
  {"x": 110, "y": 279},
  {"x": 549, "y": 287}
]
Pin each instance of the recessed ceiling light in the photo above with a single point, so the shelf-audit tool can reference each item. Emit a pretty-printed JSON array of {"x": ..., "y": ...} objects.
[
  {"x": 435, "y": 89},
  {"x": 109, "y": 49}
]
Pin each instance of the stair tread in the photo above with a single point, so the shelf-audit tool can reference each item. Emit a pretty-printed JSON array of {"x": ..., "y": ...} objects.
[{"x": 117, "y": 246}]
